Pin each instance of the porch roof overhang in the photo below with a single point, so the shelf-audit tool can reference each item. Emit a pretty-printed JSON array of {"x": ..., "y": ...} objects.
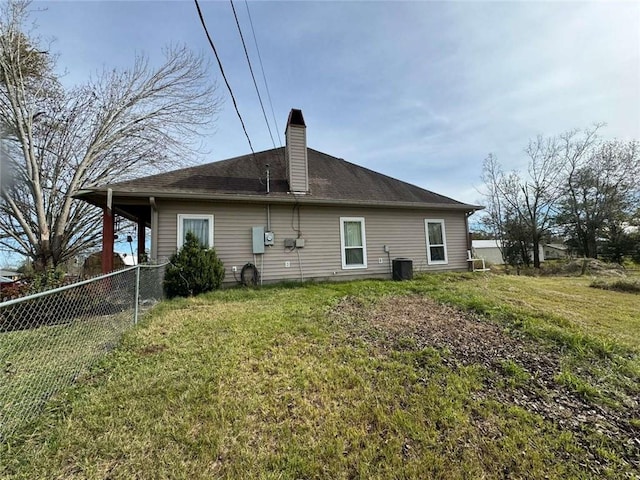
[{"x": 134, "y": 208}]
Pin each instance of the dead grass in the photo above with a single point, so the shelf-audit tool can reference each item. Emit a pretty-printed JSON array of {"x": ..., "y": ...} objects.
[{"x": 624, "y": 286}]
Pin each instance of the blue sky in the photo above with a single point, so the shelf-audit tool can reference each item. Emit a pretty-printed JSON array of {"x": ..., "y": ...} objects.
[{"x": 421, "y": 91}]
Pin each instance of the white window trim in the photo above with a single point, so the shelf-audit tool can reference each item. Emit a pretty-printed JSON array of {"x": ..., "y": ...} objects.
[
  {"x": 193, "y": 216},
  {"x": 342, "y": 243},
  {"x": 444, "y": 240}
]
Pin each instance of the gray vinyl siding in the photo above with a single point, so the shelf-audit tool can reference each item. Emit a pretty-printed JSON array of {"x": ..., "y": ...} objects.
[
  {"x": 297, "y": 159},
  {"x": 402, "y": 230}
]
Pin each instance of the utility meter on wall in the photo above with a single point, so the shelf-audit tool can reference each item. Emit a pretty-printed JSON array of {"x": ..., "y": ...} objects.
[{"x": 269, "y": 239}]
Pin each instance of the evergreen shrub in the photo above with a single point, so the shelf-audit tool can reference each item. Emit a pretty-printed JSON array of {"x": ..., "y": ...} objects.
[{"x": 194, "y": 269}]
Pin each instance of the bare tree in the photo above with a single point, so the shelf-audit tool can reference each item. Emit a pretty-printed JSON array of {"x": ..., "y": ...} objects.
[
  {"x": 525, "y": 204},
  {"x": 587, "y": 187},
  {"x": 497, "y": 216},
  {"x": 58, "y": 140},
  {"x": 602, "y": 189}
]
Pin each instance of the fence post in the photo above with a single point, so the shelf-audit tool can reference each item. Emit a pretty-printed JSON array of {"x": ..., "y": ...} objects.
[{"x": 137, "y": 296}]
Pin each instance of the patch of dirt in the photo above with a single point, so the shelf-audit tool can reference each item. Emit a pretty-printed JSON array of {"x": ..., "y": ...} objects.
[
  {"x": 151, "y": 349},
  {"x": 466, "y": 339}
]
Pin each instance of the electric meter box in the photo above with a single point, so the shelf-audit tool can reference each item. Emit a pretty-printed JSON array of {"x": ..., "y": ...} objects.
[{"x": 269, "y": 239}]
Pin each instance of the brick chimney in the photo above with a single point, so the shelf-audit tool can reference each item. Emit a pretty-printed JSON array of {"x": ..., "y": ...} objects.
[{"x": 296, "y": 153}]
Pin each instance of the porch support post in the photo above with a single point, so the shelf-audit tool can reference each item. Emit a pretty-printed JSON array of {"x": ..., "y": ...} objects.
[
  {"x": 469, "y": 241},
  {"x": 107, "y": 240},
  {"x": 141, "y": 240}
]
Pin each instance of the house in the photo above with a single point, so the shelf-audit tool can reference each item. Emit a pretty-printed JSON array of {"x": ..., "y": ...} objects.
[
  {"x": 491, "y": 251},
  {"x": 292, "y": 212},
  {"x": 555, "y": 251},
  {"x": 92, "y": 265},
  {"x": 8, "y": 280},
  {"x": 9, "y": 276}
]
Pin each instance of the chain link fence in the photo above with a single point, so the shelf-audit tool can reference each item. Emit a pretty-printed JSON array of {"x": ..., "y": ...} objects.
[{"x": 48, "y": 339}]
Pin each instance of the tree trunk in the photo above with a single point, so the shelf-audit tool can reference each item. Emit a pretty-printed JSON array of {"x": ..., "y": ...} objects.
[
  {"x": 43, "y": 259},
  {"x": 536, "y": 253},
  {"x": 592, "y": 248},
  {"x": 584, "y": 244}
]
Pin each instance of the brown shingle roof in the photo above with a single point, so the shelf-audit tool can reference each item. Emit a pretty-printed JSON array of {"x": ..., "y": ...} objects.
[{"x": 331, "y": 179}]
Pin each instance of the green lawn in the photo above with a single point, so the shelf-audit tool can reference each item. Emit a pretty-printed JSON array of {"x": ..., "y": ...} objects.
[{"x": 355, "y": 380}]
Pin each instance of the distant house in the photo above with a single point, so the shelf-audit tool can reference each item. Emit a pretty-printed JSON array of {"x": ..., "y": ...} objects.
[
  {"x": 8, "y": 279},
  {"x": 292, "y": 212},
  {"x": 9, "y": 276},
  {"x": 491, "y": 251},
  {"x": 555, "y": 251},
  {"x": 92, "y": 265}
]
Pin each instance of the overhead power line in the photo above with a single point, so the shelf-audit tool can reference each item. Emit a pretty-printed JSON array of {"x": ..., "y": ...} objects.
[
  {"x": 264, "y": 77},
  {"x": 233, "y": 98},
  {"x": 255, "y": 84}
]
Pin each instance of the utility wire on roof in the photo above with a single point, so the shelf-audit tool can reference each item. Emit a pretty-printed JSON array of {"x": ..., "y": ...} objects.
[
  {"x": 255, "y": 84},
  {"x": 213, "y": 47},
  {"x": 264, "y": 77}
]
